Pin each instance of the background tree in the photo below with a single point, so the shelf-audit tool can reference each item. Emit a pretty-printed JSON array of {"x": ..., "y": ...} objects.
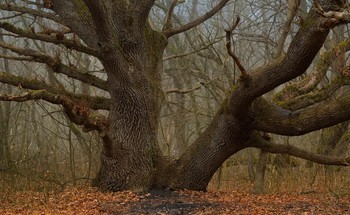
[{"x": 130, "y": 49}]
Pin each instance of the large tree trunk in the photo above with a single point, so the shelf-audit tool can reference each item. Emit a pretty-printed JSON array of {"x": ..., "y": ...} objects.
[
  {"x": 130, "y": 148},
  {"x": 224, "y": 137},
  {"x": 131, "y": 53}
]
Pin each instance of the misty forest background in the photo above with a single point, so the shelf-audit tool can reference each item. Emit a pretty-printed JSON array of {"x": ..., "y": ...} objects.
[{"x": 40, "y": 149}]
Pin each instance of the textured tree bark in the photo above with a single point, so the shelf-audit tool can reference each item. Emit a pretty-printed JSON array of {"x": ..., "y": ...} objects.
[
  {"x": 130, "y": 148},
  {"x": 131, "y": 54},
  {"x": 224, "y": 137},
  {"x": 131, "y": 157}
]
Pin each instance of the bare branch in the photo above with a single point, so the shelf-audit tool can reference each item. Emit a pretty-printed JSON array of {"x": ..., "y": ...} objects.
[
  {"x": 230, "y": 50},
  {"x": 16, "y": 58},
  {"x": 293, "y": 6},
  {"x": 169, "y": 15},
  {"x": 55, "y": 39},
  {"x": 78, "y": 113},
  {"x": 14, "y": 8},
  {"x": 56, "y": 65},
  {"x": 258, "y": 141},
  {"x": 172, "y": 31},
  {"x": 201, "y": 84},
  {"x": 92, "y": 102},
  {"x": 182, "y": 91},
  {"x": 82, "y": 76},
  {"x": 192, "y": 52}
]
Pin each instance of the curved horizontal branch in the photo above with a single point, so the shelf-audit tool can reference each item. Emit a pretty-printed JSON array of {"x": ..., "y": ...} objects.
[
  {"x": 78, "y": 113},
  {"x": 172, "y": 31},
  {"x": 271, "y": 118},
  {"x": 56, "y": 65},
  {"x": 259, "y": 142},
  {"x": 93, "y": 102},
  {"x": 54, "y": 39},
  {"x": 15, "y": 8},
  {"x": 33, "y": 84}
]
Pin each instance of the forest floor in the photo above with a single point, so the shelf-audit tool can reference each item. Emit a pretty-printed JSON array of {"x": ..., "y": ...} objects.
[{"x": 87, "y": 200}]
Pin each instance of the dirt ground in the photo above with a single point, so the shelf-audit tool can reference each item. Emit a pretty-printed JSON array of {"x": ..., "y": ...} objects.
[{"x": 87, "y": 200}]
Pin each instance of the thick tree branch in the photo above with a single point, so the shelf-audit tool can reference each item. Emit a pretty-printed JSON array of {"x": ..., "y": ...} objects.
[
  {"x": 142, "y": 9},
  {"x": 102, "y": 16},
  {"x": 78, "y": 113},
  {"x": 172, "y": 31},
  {"x": 57, "y": 38},
  {"x": 258, "y": 141},
  {"x": 95, "y": 103},
  {"x": 77, "y": 17},
  {"x": 300, "y": 54},
  {"x": 311, "y": 81},
  {"x": 271, "y": 118},
  {"x": 56, "y": 65}
]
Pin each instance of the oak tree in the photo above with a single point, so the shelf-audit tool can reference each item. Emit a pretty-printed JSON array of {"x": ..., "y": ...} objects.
[{"x": 118, "y": 33}]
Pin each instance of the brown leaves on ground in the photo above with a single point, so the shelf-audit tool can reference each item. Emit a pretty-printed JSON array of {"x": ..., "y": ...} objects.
[{"x": 86, "y": 200}]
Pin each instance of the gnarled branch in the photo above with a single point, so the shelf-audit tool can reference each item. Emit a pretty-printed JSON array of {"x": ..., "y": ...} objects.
[
  {"x": 300, "y": 54},
  {"x": 309, "y": 99},
  {"x": 54, "y": 39},
  {"x": 271, "y": 118},
  {"x": 93, "y": 102},
  {"x": 56, "y": 65},
  {"x": 229, "y": 48},
  {"x": 77, "y": 112},
  {"x": 258, "y": 141}
]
